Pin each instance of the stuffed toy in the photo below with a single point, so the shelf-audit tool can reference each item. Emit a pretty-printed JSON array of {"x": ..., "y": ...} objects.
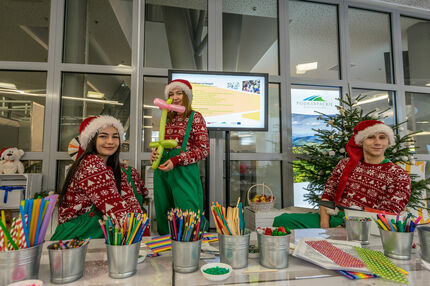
[{"x": 9, "y": 161}]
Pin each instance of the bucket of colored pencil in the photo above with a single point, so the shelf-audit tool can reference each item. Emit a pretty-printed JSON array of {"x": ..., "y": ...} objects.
[
  {"x": 122, "y": 259},
  {"x": 397, "y": 245},
  {"x": 233, "y": 250},
  {"x": 358, "y": 229},
  {"x": 67, "y": 260},
  {"x": 20, "y": 264},
  {"x": 186, "y": 255}
]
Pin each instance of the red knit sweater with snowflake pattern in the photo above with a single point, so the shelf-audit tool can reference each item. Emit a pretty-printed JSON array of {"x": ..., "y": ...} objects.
[
  {"x": 385, "y": 187},
  {"x": 198, "y": 142},
  {"x": 94, "y": 184}
]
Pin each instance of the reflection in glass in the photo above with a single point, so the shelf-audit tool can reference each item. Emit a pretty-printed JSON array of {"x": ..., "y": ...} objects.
[
  {"x": 314, "y": 43},
  {"x": 415, "y": 47},
  {"x": 300, "y": 191},
  {"x": 22, "y": 109},
  {"x": 261, "y": 142},
  {"x": 24, "y": 30},
  {"x": 250, "y": 36},
  {"x": 153, "y": 87},
  {"x": 245, "y": 174},
  {"x": 84, "y": 95},
  {"x": 370, "y": 46},
  {"x": 98, "y": 32},
  {"x": 62, "y": 169},
  {"x": 418, "y": 116},
  {"x": 380, "y": 101},
  {"x": 32, "y": 166},
  {"x": 306, "y": 101},
  {"x": 176, "y": 34}
]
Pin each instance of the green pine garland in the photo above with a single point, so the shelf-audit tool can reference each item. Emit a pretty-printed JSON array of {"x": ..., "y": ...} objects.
[{"x": 317, "y": 161}]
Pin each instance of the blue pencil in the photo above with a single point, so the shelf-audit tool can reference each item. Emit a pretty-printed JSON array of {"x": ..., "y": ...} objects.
[
  {"x": 180, "y": 229},
  {"x": 24, "y": 226}
]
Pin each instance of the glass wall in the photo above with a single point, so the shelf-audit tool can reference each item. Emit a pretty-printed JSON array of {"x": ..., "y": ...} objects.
[
  {"x": 245, "y": 174},
  {"x": 176, "y": 34},
  {"x": 261, "y": 142},
  {"x": 380, "y": 103},
  {"x": 370, "y": 46},
  {"x": 98, "y": 32},
  {"x": 314, "y": 41},
  {"x": 84, "y": 95},
  {"x": 250, "y": 36},
  {"x": 415, "y": 47},
  {"x": 418, "y": 116},
  {"x": 24, "y": 30},
  {"x": 22, "y": 109},
  {"x": 153, "y": 87}
]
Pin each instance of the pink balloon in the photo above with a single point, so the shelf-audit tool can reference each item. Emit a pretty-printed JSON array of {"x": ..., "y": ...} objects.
[{"x": 173, "y": 107}]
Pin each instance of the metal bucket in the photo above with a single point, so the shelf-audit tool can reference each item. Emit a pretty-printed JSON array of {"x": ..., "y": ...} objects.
[
  {"x": 66, "y": 265},
  {"x": 233, "y": 250},
  {"x": 424, "y": 235},
  {"x": 20, "y": 264},
  {"x": 274, "y": 250},
  {"x": 397, "y": 245},
  {"x": 358, "y": 230},
  {"x": 122, "y": 259},
  {"x": 186, "y": 255}
]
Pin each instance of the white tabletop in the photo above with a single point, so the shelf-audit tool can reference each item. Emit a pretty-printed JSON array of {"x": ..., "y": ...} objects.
[{"x": 158, "y": 270}]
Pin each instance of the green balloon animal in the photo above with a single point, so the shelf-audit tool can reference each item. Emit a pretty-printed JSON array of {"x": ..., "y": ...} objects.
[{"x": 161, "y": 144}]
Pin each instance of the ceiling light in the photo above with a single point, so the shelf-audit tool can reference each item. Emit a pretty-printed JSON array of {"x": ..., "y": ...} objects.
[
  {"x": 94, "y": 94},
  {"x": 373, "y": 99},
  {"x": 7, "y": 85},
  {"x": 303, "y": 68},
  {"x": 428, "y": 84}
]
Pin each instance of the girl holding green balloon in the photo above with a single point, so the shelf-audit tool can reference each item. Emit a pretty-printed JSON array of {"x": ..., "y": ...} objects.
[{"x": 177, "y": 181}]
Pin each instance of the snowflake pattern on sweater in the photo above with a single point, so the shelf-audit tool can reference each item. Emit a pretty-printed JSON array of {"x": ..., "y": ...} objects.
[
  {"x": 198, "y": 142},
  {"x": 385, "y": 187},
  {"x": 94, "y": 184}
]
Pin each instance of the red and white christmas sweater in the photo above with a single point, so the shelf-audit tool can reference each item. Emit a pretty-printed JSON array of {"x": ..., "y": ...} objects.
[
  {"x": 198, "y": 142},
  {"x": 94, "y": 184},
  {"x": 385, "y": 187}
]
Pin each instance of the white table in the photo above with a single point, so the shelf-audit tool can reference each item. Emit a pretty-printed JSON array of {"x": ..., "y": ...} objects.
[{"x": 158, "y": 270}]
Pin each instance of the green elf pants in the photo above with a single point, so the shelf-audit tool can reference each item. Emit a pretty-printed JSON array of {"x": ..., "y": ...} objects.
[
  {"x": 180, "y": 188},
  {"x": 306, "y": 220}
]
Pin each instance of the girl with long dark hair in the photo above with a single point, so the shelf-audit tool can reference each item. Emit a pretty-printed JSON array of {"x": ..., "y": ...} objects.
[{"x": 95, "y": 184}]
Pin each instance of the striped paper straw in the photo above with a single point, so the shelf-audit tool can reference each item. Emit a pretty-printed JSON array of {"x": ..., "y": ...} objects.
[
  {"x": 13, "y": 232},
  {"x": 1, "y": 240},
  {"x": 21, "y": 239}
]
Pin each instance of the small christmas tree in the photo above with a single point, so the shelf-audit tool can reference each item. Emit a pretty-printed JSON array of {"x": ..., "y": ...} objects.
[{"x": 317, "y": 161}]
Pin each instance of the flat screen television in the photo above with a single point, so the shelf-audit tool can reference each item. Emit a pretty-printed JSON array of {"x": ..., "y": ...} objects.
[{"x": 229, "y": 100}]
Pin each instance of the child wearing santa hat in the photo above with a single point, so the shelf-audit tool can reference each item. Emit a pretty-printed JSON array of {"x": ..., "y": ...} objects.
[
  {"x": 365, "y": 179},
  {"x": 95, "y": 184},
  {"x": 177, "y": 181}
]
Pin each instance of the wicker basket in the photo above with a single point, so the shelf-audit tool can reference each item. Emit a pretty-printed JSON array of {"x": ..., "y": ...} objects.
[{"x": 261, "y": 206}]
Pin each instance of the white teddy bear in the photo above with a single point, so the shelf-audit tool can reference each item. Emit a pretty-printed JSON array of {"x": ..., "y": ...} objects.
[{"x": 10, "y": 163}]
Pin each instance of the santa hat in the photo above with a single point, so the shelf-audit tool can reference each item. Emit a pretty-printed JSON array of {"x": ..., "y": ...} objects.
[
  {"x": 92, "y": 125},
  {"x": 354, "y": 147},
  {"x": 1, "y": 152},
  {"x": 183, "y": 84}
]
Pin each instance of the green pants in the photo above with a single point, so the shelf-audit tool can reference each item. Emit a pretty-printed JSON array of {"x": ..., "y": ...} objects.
[
  {"x": 180, "y": 188},
  {"x": 306, "y": 220}
]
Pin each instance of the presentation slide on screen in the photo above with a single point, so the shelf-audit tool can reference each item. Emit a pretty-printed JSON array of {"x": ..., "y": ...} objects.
[{"x": 228, "y": 101}]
